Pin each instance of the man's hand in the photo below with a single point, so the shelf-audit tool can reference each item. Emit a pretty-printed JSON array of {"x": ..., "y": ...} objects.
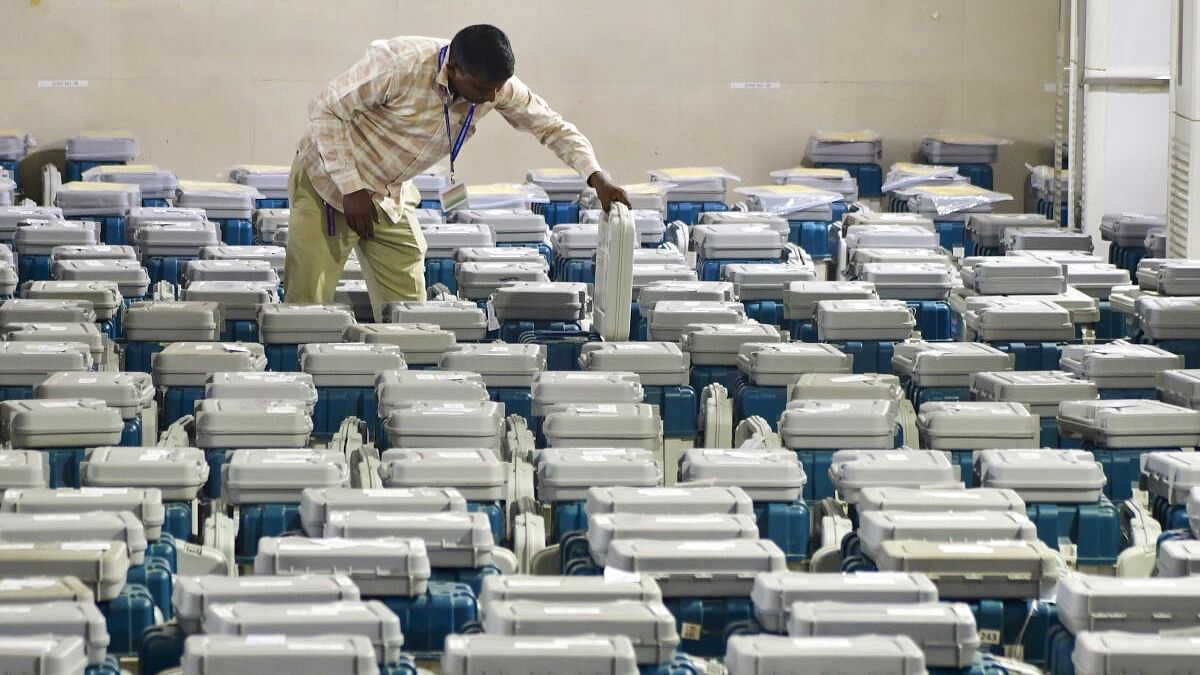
[
  {"x": 606, "y": 191},
  {"x": 359, "y": 209}
]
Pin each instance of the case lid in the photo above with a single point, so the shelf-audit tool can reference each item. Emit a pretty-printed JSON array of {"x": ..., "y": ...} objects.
[
  {"x": 516, "y": 655},
  {"x": 754, "y": 654},
  {"x": 723, "y": 338},
  {"x": 1171, "y": 475},
  {"x": 309, "y": 319},
  {"x": 191, "y": 595},
  {"x": 249, "y": 416},
  {"x": 977, "y": 425},
  {"x": 723, "y": 568},
  {"x": 23, "y": 469},
  {"x": 102, "y": 565},
  {"x": 1057, "y": 476},
  {"x": 130, "y": 393},
  {"x": 669, "y": 500},
  {"x": 978, "y": 570},
  {"x": 145, "y": 503},
  {"x": 28, "y": 420},
  {"x": 1119, "y": 359},
  {"x": 173, "y": 315},
  {"x": 559, "y": 387},
  {"x": 104, "y": 295},
  {"x": 854, "y": 470},
  {"x": 23, "y": 590},
  {"x": 1045, "y": 387},
  {"x": 195, "y": 360},
  {"x": 648, "y": 625},
  {"x": 333, "y": 655},
  {"x": 297, "y": 387},
  {"x": 939, "y": 500},
  {"x": 1122, "y": 652},
  {"x": 871, "y": 386},
  {"x": 600, "y": 421},
  {"x": 875, "y": 527},
  {"x": 676, "y": 314},
  {"x": 379, "y": 567},
  {"x": 317, "y": 504},
  {"x": 765, "y": 476},
  {"x": 1132, "y": 417},
  {"x": 479, "y": 420},
  {"x": 1181, "y": 387},
  {"x": 775, "y": 592},
  {"x": 86, "y": 333},
  {"x": 92, "y": 252},
  {"x": 925, "y": 359},
  {"x": 120, "y": 526},
  {"x": 605, "y": 528},
  {"x": 839, "y": 417},
  {"x": 263, "y": 475},
  {"x": 27, "y": 311},
  {"x": 177, "y": 472},
  {"x": 792, "y": 359},
  {"x": 581, "y": 589},
  {"x": 78, "y": 620},
  {"x": 652, "y": 361},
  {"x": 370, "y": 619},
  {"x": 466, "y": 470},
  {"x": 1142, "y": 605},
  {"x": 496, "y": 358},
  {"x": 946, "y": 632},
  {"x": 693, "y": 291},
  {"x": 453, "y": 539},
  {"x": 565, "y": 474},
  {"x": 348, "y": 365}
]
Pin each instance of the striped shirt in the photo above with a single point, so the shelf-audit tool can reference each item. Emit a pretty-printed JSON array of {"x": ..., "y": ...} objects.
[{"x": 381, "y": 123}]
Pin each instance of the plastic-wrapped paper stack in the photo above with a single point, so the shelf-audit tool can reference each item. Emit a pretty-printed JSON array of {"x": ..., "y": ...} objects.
[
  {"x": 845, "y": 147},
  {"x": 504, "y": 196},
  {"x": 961, "y": 148},
  {"x": 270, "y": 180},
  {"x": 98, "y": 199},
  {"x": 14, "y": 144},
  {"x": 695, "y": 183},
  {"x": 832, "y": 180},
  {"x": 155, "y": 183},
  {"x": 792, "y": 201},
  {"x": 560, "y": 184}
]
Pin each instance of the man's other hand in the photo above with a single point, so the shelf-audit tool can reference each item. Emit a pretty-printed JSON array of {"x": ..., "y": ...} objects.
[{"x": 359, "y": 209}]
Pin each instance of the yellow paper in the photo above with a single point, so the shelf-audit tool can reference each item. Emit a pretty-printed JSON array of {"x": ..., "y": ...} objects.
[
  {"x": 198, "y": 185},
  {"x": 691, "y": 172},
  {"x": 808, "y": 172},
  {"x": 957, "y": 190},
  {"x": 557, "y": 172},
  {"x": 495, "y": 189},
  {"x": 859, "y": 136},
  {"x": 81, "y": 186},
  {"x": 785, "y": 190},
  {"x": 919, "y": 169},
  {"x": 11, "y": 132}
]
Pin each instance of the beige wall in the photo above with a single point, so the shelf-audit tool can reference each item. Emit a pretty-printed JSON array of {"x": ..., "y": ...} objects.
[{"x": 208, "y": 83}]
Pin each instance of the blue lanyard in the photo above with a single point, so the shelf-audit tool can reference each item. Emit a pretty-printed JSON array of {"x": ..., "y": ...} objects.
[{"x": 456, "y": 143}]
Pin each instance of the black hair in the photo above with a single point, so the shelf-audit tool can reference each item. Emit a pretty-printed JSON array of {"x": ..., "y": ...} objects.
[{"x": 483, "y": 51}]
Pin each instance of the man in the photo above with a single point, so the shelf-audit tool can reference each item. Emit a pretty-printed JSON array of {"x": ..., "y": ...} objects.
[{"x": 410, "y": 102}]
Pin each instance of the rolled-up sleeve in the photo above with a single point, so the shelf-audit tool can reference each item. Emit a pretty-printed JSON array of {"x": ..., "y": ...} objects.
[
  {"x": 377, "y": 78},
  {"x": 526, "y": 111}
]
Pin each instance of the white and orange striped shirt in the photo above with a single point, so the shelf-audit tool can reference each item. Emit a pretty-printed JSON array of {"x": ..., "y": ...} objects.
[{"x": 381, "y": 123}]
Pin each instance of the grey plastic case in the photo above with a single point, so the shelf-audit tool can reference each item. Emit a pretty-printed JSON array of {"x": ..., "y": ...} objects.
[
  {"x": 648, "y": 625},
  {"x": 317, "y": 505},
  {"x": 757, "y": 281},
  {"x": 566, "y": 474},
  {"x": 1043, "y": 476},
  {"x": 1097, "y": 603},
  {"x": 444, "y": 239},
  {"x": 632, "y": 425},
  {"x": 659, "y": 256},
  {"x": 40, "y": 237},
  {"x": 396, "y": 388},
  {"x": 698, "y": 569},
  {"x": 422, "y": 344},
  {"x": 239, "y": 300},
  {"x": 1105, "y": 652},
  {"x": 230, "y": 270},
  {"x": 1047, "y": 239},
  {"x": 1167, "y": 318},
  {"x": 453, "y": 539},
  {"x": 79, "y": 620},
  {"x": 265, "y": 476},
  {"x": 248, "y": 423},
  {"x": 131, "y": 277},
  {"x": 155, "y": 239},
  {"x": 852, "y": 471},
  {"x": 509, "y": 225},
  {"x": 839, "y": 423},
  {"x": 60, "y": 423},
  {"x": 977, "y": 425},
  {"x": 756, "y": 654},
  {"x": 24, "y": 364},
  {"x": 736, "y": 241},
  {"x": 1130, "y": 423},
  {"x": 575, "y": 241},
  {"x": 101, "y": 566},
  {"x": 494, "y": 254},
  {"x": 446, "y": 424},
  {"x": 876, "y": 527},
  {"x": 869, "y": 386},
  {"x": 864, "y": 320},
  {"x": 657, "y": 364},
  {"x": 23, "y": 469},
  {"x": 348, "y": 365},
  {"x": 1120, "y": 364},
  {"x": 764, "y": 476},
  {"x": 99, "y": 526},
  {"x": 552, "y": 388},
  {"x": 145, "y": 503},
  {"x": 1171, "y": 475},
  {"x": 945, "y": 632},
  {"x": 1178, "y": 558},
  {"x": 1040, "y": 390},
  {"x": 988, "y": 229},
  {"x": 775, "y": 593},
  {"x": 275, "y": 255},
  {"x": 324, "y": 655},
  {"x": 669, "y": 500},
  {"x": 85, "y": 333},
  {"x": 1097, "y": 279},
  {"x": 581, "y": 589},
  {"x": 1025, "y": 319},
  {"x": 938, "y": 500},
  {"x": 898, "y": 235},
  {"x": 646, "y": 275},
  {"x": 462, "y": 318},
  {"x": 191, "y": 595},
  {"x": 129, "y": 393},
  {"x": 479, "y": 280},
  {"x": 719, "y": 344},
  {"x": 605, "y": 528},
  {"x": 46, "y": 311},
  {"x": 378, "y": 567},
  {"x": 178, "y": 473},
  {"x": 978, "y": 570},
  {"x": 910, "y": 281},
  {"x": 779, "y": 365},
  {"x": 188, "y": 364},
  {"x": 541, "y": 301},
  {"x": 477, "y": 474},
  {"x": 500, "y": 364},
  {"x": 947, "y": 364},
  {"x": 93, "y": 252},
  {"x": 1179, "y": 277},
  {"x": 370, "y": 619},
  {"x": 691, "y": 291},
  {"x": 105, "y": 296},
  {"x": 47, "y": 654},
  {"x": 171, "y": 321},
  {"x": 1013, "y": 275},
  {"x": 292, "y": 387},
  {"x": 670, "y": 317},
  {"x": 1181, "y": 387},
  {"x": 482, "y": 654},
  {"x": 294, "y": 324}
]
